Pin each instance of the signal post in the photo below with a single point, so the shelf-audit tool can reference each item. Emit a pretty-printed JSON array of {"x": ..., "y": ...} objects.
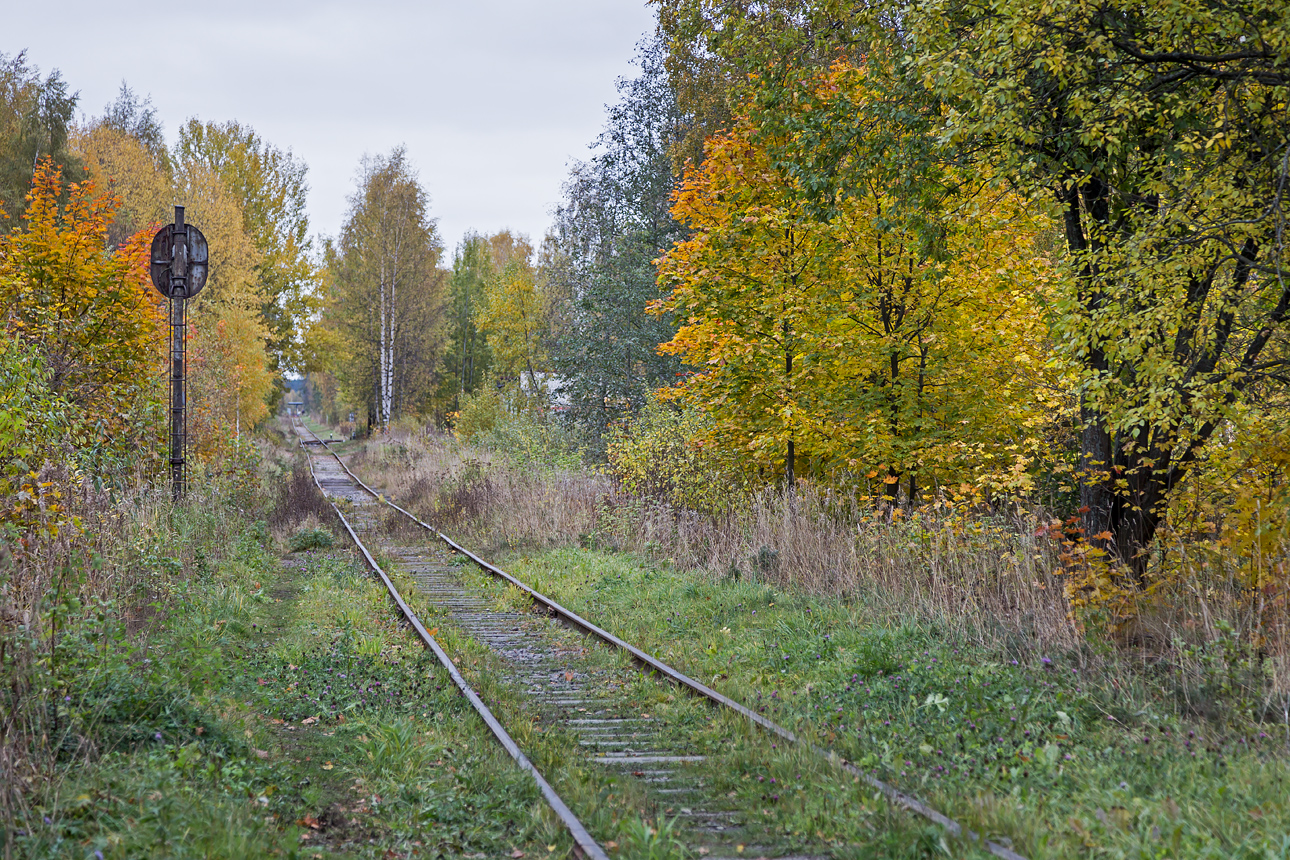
[{"x": 180, "y": 262}]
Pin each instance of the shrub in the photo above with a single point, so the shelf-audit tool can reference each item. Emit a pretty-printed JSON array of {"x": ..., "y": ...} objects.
[
  {"x": 515, "y": 426},
  {"x": 529, "y": 439},
  {"x": 661, "y": 455},
  {"x": 307, "y": 539},
  {"x": 481, "y": 411}
]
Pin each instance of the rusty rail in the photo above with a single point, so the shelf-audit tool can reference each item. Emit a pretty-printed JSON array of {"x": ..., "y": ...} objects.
[{"x": 893, "y": 794}]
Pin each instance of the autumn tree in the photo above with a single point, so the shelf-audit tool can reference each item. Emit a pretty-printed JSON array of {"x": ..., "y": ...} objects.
[
  {"x": 848, "y": 343},
  {"x": 230, "y": 365},
  {"x": 722, "y": 53},
  {"x": 231, "y": 379},
  {"x": 743, "y": 289},
  {"x": 386, "y": 291},
  {"x": 706, "y": 85},
  {"x": 269, "y": 187},
  {"x": 136, "y": 117},
  {"x": 1161, "y": 131},
  {"x": 125, "y": 150},
  {"x": 516, "y": 312},
  {"x": 89, "y": 311}
]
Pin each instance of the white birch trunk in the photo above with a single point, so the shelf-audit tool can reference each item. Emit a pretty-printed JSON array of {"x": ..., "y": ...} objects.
[
  {"x": 386, "y": 362},
  {"x": 394, "y": 310}
]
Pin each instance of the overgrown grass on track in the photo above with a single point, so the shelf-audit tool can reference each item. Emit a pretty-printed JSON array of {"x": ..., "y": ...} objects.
[
  {"x": 812, "y": 804},
  {"x": 1036, "y": 750}
]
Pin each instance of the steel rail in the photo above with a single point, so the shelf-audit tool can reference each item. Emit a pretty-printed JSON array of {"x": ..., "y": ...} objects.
[
  {"x": 893, "y": 794},
  {"x": 586, "y": 844}
]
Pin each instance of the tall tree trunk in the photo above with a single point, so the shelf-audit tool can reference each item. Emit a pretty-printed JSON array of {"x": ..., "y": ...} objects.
[
  {"x": 1123, "y": 488},
  {"x": 383, "y": 385},
  {"x": 790, "y": 478},
  {"x": 461, "y": 369}
]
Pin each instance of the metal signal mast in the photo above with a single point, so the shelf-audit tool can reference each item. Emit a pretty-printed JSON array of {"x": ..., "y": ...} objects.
[{"x": 180, "y": 262}]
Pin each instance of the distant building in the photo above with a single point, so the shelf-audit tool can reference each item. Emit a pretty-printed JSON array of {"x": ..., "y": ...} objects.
[{"x": 295, "y": 399}]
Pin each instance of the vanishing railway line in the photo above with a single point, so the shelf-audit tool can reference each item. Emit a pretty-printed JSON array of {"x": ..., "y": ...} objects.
[{"x": 674, "y": 766}]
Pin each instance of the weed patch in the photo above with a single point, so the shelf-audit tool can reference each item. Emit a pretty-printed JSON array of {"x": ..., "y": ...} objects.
[{"x": 306, "y": 539}]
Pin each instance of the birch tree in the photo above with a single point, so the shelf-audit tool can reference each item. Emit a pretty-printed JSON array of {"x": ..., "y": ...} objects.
[
  {"x": 386, "y": 290},
  {"x": 35, "y": 121}
]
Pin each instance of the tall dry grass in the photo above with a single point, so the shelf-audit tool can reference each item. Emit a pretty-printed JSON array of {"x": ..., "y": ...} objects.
[
  {"x": 478, "y": 496},
  {"x": 987, "y": 577},
  {"x": 992, "y": 578}
]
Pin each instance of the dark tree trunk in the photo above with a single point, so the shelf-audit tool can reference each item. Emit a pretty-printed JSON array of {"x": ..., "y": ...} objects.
[
  {"x": 1123, "y": 494},
  {"x": 1124, "y": 481},
  {"x": 891, "y": 487},
  {"x": 789, "y": 476}
]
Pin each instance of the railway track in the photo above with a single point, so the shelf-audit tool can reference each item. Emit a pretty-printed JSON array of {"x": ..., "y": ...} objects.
[{"x": 683, "y": 766}]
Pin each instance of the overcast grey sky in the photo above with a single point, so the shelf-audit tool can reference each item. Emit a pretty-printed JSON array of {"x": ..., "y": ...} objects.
[{"x": 493, "y": 98}]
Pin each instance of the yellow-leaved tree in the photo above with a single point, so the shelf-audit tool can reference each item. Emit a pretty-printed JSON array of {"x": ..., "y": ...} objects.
[
  {"x": 385, "y": 294},
  {"x": 139, "y": 177},
  {"x": 229, "y": 369},
  {"x": 850, "y": 345},
  {"x": 516, "y": 314},
  {"x": 88, "y": 310},
  {"x": 1161, "y": 130},
  {"x": 231, "y": 383}
]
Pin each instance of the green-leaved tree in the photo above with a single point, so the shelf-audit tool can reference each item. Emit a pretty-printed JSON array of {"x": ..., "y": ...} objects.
[{"x": 1162, "y": 130}]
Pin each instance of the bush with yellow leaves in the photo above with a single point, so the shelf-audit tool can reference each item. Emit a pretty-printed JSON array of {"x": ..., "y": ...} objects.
[{"x": 666, "y": 453}]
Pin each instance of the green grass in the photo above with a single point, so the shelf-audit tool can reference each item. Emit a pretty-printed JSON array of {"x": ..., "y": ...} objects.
[
  {"x": 1045, "y": 753},
  {"x": 322, "y": 431},
  {"x": 790, "y": 799},
  {"x": 280, "y": 711},
  {"x": 306, "y": 539}
]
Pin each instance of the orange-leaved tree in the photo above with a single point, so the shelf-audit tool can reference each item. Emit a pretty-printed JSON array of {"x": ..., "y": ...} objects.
[
  {"x": 88, "y": 310},
  {"x": 745, "y": 289}
]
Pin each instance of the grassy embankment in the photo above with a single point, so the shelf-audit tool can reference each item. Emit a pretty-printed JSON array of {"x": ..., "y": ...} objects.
[{"x": 939, "y": 655}]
